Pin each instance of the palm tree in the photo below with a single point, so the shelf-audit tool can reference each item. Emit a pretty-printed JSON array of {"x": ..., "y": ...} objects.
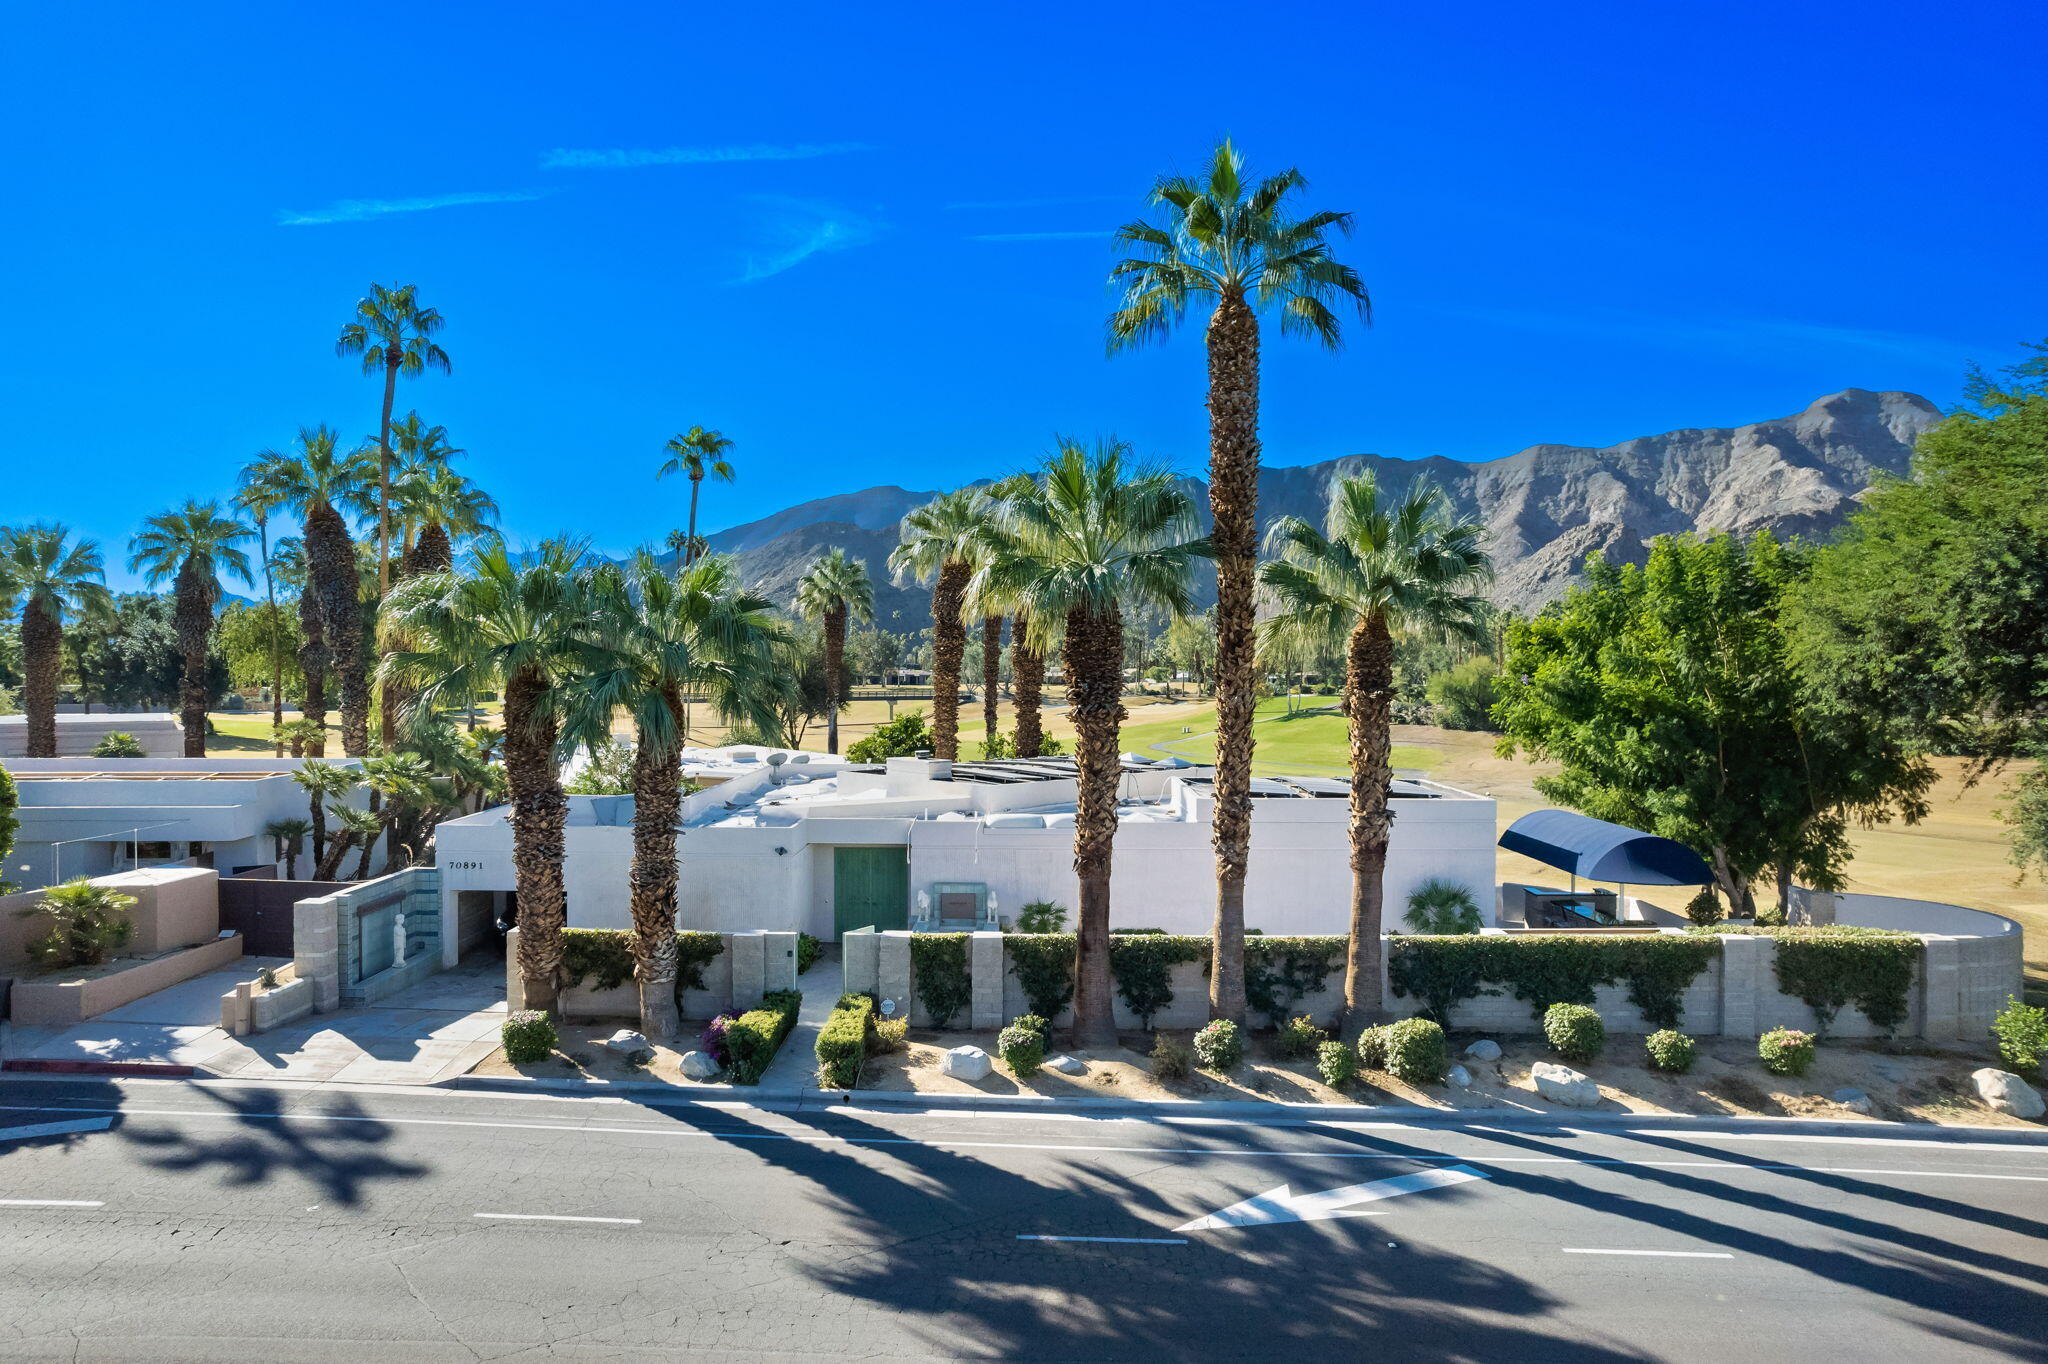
[
  {"x": 262, "y": 519},
  {"x": 1382, "y": 563},
  {"x": 516, "y": 626},
  {"x": 938, "y": 546},
  {"x": 1221, "y": 238},
  {"x": 438, "y": 502},
  {"x": 391, "y": 332},
  {"x": 322, "y": 782},
  {"x": 317, "y": 481},
  {"x": 51, "y": 579},
  {"x": 654, "y": 636},
  {"x": 1027, "y": 684},
  {"x": 991, "y": 675},
  {"x": 193, "y": 546},
  {"x": 1089, "y": 534},
  {"x": 290, "y": 835},
  {"x": 699, "y": 453},
  {"x": 417, "y": 448},
  {"x": 835, "y": 587}
]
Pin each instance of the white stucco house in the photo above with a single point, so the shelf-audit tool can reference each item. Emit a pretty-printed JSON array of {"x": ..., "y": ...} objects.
[
  {"x": 824, "y": 847},
  {"x": 79, "y": 731}
]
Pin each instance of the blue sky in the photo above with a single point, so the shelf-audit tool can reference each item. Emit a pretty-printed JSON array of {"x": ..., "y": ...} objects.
[{"x": 869, "y": 243}]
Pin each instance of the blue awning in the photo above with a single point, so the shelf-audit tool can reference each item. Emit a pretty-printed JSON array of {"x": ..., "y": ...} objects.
[{"x": 1599, "y": 851}]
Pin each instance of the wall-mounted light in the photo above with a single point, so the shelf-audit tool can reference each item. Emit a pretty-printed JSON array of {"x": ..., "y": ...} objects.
[{"x": 782, "y": 852}]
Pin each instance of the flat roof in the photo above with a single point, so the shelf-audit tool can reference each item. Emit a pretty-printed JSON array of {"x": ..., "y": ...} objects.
[{"x": 84, "y": 775}]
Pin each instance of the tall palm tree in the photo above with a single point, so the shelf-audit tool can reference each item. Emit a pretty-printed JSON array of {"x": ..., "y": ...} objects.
[
  {"x": 699, "y": 453},
  {"x": 655, "y": 635},
  {"x": 262, "y": 520},
  {"x": 51, "y": 579},
  {"x": 515, "y": 625},
  {"x": 317, "y": 481},
  {"x": 1382, "y": 563},
  {"x": 1090, "y": 533},
  {"x": 416, "y": 447},
  {"x": 322, "y": 782},
  {"x": 938, "y": 546},
  {"x": 1027, "y": 684},
  {"x": 1224, "y": 239},
  {"x": 193, "y": 545},
  {"x": 290, "y": 835},
  {"x": 835, "y": 587},
  {"x": 391, "y": 332},
  {"x": 438, "y": 503},
  {"x": 991, "y": 674}
]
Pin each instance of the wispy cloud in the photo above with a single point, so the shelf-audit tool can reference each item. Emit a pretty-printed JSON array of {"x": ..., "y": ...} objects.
[
  {"x": 1739, "y": 336},
  {"x": 797, "y": 229},
  {"x": 631, "y": 158},
  {"x": 363, "y": 210},
  {"x": 1099, "y": 234},
  {"x": 1060, "y": 202}
]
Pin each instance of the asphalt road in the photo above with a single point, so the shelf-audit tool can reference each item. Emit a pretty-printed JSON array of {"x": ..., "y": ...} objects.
[{"x": 218, "y": 1222}]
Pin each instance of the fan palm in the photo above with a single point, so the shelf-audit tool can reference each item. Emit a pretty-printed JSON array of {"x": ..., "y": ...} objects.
[
  {"x": 317, "y": 481},
  {"x": 391, "y": 332},
  {"x": 834, "y": 588},
  {"x": 1027, "y": 686},
  {"x": 416, "y": 447},
  {"x": 192, "y": 546},
  {"x": 1224, "y": 239},
  {"x": 938, "y": 546},
  {"x": 440, "y": 503},
  {"x": 655, "y": 635},
  {"x": 51, "y": 578},
  {"x": 698, "y": 453},
  {"x": 514, "y": 625},
  {"x": 991, "y": 675},
  {"x": 1088, "y": 535},
  {"x": 322, "y": 782},
  {"x": 272, "y": 623},
  {"x": 1382, "y": 563},
  {"x": 290, "y": 835}
]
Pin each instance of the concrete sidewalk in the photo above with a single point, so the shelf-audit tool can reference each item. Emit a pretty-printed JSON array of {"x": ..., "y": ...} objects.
[{"x": 796, "y": 1065}]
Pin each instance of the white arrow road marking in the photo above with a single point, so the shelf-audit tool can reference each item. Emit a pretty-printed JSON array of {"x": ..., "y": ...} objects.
[
  {"x": 1282, "y": 1205},
  {"x": 55, "y": 1129}
]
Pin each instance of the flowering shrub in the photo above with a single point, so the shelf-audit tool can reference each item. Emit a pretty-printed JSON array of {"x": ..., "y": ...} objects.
[
  {"x": 1300, "y": 1037},
  {"x": 1219, "y": 1046},
  {"x": 1785, "y": 1051},
  {"x": 1669, "y": 1051},
  {"x": 712, "y": 1039},
  {"x": 528, "y": 1037}
]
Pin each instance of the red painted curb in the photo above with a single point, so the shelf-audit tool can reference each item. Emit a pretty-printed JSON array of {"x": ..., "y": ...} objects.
[{"x": 97, "y": 1067}]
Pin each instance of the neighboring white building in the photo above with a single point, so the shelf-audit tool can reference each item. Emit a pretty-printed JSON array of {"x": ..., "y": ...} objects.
[
  {"x": 88, "y": 818},
  {"x": 824, "y": 849},
  {"x": 79, "y": 732}
]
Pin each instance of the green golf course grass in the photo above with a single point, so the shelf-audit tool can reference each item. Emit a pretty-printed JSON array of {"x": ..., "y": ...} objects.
[{"x": 1312, "y": 741}]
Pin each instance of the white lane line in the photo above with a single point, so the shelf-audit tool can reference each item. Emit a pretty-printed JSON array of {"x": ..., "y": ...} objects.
[
  {"x": 552, "y": 1217},
  {"x": 51, "y": 1203},
  {"x": 1115, "y": 1240},
  {"x": 1667, "y": 1254},
  {"x": 55, "y": 1129}
]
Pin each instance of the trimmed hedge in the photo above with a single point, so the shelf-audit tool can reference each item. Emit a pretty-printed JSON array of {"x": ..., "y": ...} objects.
[
  {"x": 1022, "y": 1049},
  {"x": 938, "y": 966},
  {"x": 1831, "y": 965},
  {"x": 752, "y": 1039},
  {"x": 1540, "y": 971},
  {"x": 528, "y": 1036},
  {"x": 1574, "y": 1031},
  {"x": 604, "y": 956},
  {"x": 843, "y": 1041},
  {"x": 1417, "y": 1052}
]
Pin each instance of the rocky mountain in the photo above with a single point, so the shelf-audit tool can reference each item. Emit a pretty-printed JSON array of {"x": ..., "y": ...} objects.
[{"x": 1546, "y": 508}]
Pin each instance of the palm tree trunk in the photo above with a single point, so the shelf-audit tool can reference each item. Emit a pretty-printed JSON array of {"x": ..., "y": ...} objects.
[
  {"x": 991, "y": 677},
  {"x": 539, "y": 813},
  {"x": 42, "y": 650},
  {"x": 949, "y": 647},
  {"x": 317, "y": 817},
  {"x": 690, "y": 537},
  {"x": 835, "y": 673},
  {"x": 1233, "y": 506},
  {"x": 1093, "y": 660},
  {"x": 331, "y": 563},
  {"x": 193, "y": 621},
  {"x": 313, "y": 661},
  {"x": 1369, "y": 702},
  {"x": 291, "y": 860},
  {"x": 276, "y": 655},
  {"x": 657, "y": 798},
  {"x": 384, "y": 474},
  {"x": 1027, "y": 682}
]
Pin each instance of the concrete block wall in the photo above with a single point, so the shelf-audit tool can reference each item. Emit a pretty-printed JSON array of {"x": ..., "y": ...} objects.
[{"x": 750, "y": 965}]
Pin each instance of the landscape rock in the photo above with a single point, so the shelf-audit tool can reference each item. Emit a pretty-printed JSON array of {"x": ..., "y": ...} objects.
[
  {"x": 626, "y": 1042},
  {"x": 1851, "y": 1097},
  {"x": 965, "y": 1063},
  {"x": 2007, "y": 1093},
  {"x": 1563, "y": 1085},
  {"x": 1459, "y": 1076},
  {"x": 1485, "y": 1049},
  {"x": 699, "y": 1065},
  {"x": 1067, "y": 1065}
]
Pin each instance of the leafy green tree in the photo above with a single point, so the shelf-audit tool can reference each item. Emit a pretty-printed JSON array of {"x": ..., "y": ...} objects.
[
  {"x": 51, "y": 579},
  {"x": 191, "y": 547},
  {"x": 873, "y": 653},
  {"x": 130, "y": 658},
  {"x": 905, "y": 736},
  {"x": 1669, "y": 696},
  {"x": 393, "y": 334},
  {"x": 259, "y": 643},
  {"x": 1463, "y": 695}
]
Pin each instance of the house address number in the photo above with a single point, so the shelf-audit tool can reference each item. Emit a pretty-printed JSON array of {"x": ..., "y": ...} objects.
[{"x": 463, "y": 866}]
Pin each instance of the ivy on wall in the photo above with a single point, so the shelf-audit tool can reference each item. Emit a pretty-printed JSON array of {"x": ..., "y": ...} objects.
[
  {"x": 694, "y": 952},
  {"x": 1043, "y": 964},
  {"x": 938, "y": 966},
  {"x": 1832, "y": 965},
  {"x": 1142, "y": 966},
  {"x": 604, "y": 957},
  {"x": 1548, "y": 969},
  {"x": 1280, "y": 972}
]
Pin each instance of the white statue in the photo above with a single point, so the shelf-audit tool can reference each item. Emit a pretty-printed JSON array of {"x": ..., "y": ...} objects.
[{"x": 398, "y": 939}]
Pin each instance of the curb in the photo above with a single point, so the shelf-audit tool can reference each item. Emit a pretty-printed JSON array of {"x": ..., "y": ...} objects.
[{"x": 34, "y": 1065}]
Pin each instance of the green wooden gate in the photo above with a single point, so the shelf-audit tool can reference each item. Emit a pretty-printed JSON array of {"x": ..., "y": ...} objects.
[{"x": 870, "y": 888}]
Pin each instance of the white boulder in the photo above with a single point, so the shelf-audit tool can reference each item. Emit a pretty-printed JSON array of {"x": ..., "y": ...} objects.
[
  {"x": 1459, "y": 1076},
  {"x": 1853, "y": 1098},
  {"x": 965, "y": 1063},
  {"x": 626, "y": 1042},
  {"x": 1563, "y": 1085},
  {"x": 1067, "y": 1065},
  {"x": 2007, "y": 1093},
  {"x": 699, "y": 1065},
  {"x": 1485, "y": 1049}
]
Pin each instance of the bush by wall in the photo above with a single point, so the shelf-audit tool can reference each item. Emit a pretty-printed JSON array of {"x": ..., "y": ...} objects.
[
  {"x": 843, "y": 1041},
  {"x": 603, "y": 956},
  {"x": 528, "y": 1037},
  {"x": 1442, "y": 972},
  {"x": 1831, "y": 965},
  {"x": 1042, "y": 916},
  {"x": 1022, "y": 1050},
  {"x": 1671, "y": 1052},
  {"x": 1574, "y": 1031},
  {"x": 118, "y": 744},
  {"x": 1372, "y": 1047},
  {"x": 808, "y": 949},
  {"x": 1438, "y": 906},
  {"x": 1043, "y": 964},
  {"x": 1219, "y": 1046},
  {"x": 2022, "y": 1033},
  {"x": 1142, "y": 965},
  {"x": 1280, "y": 972},
  {"x": 694, "y": 952},
  {"x": 1037, "y": 1024},
  {"x": 1785, "y": 1051},
  {"x": 938, "y": 966},
  {"x": 1172, "y": 1059},
  {"x": 755, "y": 1036},
  {"x": 1337, "y": 1064},
  {"x": 1417, "y": 1053},
  {"x": 1705, "y": 907},
  {"x": 9, "y": 800},
  {"x": 1300, "y": 1037}
]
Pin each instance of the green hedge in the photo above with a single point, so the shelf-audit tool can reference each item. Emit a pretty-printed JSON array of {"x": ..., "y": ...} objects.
[
  {"x": 604, "y": 956},
  {"x": 1142, "y": 965},
  {"x": 1832, "y": 965},
  {"x": 1544, "y": 970},
  {"x": 756, "y": 1035},
  {"x": 1043, "y": 964},
  {"x": 938, "y": 966},
  {"x": 1281, "y": 972},
  {"x": 843, "y": 1041}
]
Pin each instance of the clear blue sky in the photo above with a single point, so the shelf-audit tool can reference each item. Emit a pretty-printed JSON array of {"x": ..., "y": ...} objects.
[{"x": 869, "y": 242}]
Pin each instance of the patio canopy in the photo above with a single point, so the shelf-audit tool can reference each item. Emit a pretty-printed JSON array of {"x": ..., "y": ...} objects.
[{"x": 1599, "y": 851}]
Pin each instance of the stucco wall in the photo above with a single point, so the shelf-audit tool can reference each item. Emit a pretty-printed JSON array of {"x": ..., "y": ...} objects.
[{"x": 174, "y": 907}]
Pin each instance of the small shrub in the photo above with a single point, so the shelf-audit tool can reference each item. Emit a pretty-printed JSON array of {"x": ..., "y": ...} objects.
[
  {"x": 1417, "y": 1053},
  {"x": 1033, "y": 1023},
  {"x": 118, "y": 745},
  {"x": 1372, "y": 1048},
  {"x": 1173, "y": 1061},
  {"x": 1042, "y": 916},
  {"x": 1574, "y": 1031},
  {"x": 1022, "y": 1050},
  {"x": 1770, "y": 916},
  {"x": 1705, "y": 907},
  {"x": 808, "y": 949},
  {"x": 266, "y": 979},
  {"x": 891, "y": 1034},
  {"x": 528, "y": 1036},
  {"x": 712, "y": 1039},
  {"x": 843, "y": 1041},
  {"x": 1785, "y": 1051},
  {"x": 1219, "y": 1046},
  {"x": 1671, "y": 1052},
  {"x": 2022, "y": 1033},
  {"x": 86, "y": 923},
  {"x": 1442, "y": 907},
  {"x": 755, "y": 1036},
  {"x": 1337, "y": 1064},
  {"x": 1300, "y": 1037}
]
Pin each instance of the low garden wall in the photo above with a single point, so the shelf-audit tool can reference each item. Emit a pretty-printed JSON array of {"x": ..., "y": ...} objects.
[
  {"x": 87, "y": 992},
  {"x": 174, "y": 907}
]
